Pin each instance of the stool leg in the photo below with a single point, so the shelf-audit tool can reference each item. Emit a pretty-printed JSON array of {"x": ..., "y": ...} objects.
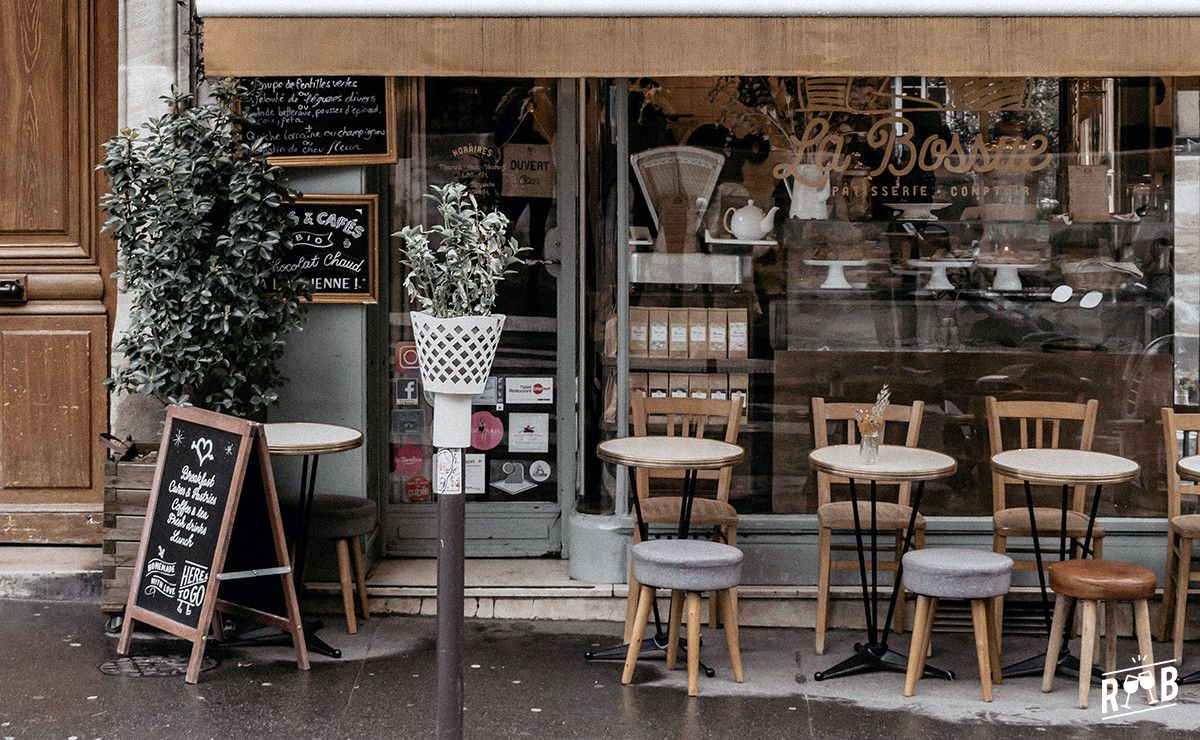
[
  {"x": 673, "y": 629},
  {"x": 927, "y": 636},
  {"x": 343, "y": 558},
  {"x": 1141, "y": 620},
  {"x": 1087, "y": 644},
  {"x": 1110, "y": 636},
  {"x": 1059, "y": 623},
  {"x": 729, "y": 614},
  {"x": 693, "y": 642},
  {"x": 915, "y": 651},
  {"x": 631, "y": 604},
  {"x": 1182, "y": 581},
  {"x": 823, "y": 566},
  {"x": 360, "y": 577},
  {"x": 993, "y": 641},
  {"x": 645, "y": 599},
  {"x": 1167, "y": 609},
  {"x": 979, "y": 622}
]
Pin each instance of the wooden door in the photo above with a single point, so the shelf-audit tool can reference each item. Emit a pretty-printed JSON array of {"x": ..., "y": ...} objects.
[{"x": 58, "y": 74}]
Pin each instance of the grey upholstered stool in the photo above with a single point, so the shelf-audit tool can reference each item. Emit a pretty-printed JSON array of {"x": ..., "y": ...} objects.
[
  {"x": 977, "y": 576},
  {"x": 687, "y": 567},
  {"x": 345, "y": 520}
]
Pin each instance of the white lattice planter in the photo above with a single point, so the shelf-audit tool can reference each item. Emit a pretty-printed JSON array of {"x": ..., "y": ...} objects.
[{"x": 456, "y": 357}]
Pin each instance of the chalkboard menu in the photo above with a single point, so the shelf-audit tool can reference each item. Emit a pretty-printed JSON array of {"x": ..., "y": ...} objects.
[
  {"x": 335, "y": 246},
  {"x": 324, "y": 120},
  {"x": 197, "y": 475}
]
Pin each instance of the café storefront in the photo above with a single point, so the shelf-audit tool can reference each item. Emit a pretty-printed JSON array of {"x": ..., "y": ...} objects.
[{"x": 957, "y": 207}]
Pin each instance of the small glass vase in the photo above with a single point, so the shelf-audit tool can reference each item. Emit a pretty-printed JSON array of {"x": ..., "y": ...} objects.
[{"x": 868, "y": 449}]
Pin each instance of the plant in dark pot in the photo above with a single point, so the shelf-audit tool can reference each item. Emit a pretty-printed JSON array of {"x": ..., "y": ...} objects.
[{"x": 199, "y": 218}]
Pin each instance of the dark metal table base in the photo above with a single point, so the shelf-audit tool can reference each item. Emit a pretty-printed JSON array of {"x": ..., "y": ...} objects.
[
  {"x": 652, "y": 647},
  {"x": 1193, "y": 677},
  {"x": 272, "y": 636},
  {"x": 1068, "y": 665},
  {"x": 876, "y": 658}
]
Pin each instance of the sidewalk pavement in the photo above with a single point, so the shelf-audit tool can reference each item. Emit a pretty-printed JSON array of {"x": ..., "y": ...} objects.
[{"x": 523, "y": 679}]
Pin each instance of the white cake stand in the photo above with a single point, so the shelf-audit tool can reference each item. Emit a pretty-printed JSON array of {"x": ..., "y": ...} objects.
[
  {"x": 938, "y": 279},
  {"x": 1008, "y": 274},
  {"x": 835, "y": 278}
]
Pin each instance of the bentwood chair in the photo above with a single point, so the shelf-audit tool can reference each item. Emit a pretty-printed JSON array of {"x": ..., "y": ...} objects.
[
  {"x": 839, "y": 515},
  {"x": 1182, "y": 529},
  {"x": 1039, "y": 424},
  {"x": 696, "y": 417}
]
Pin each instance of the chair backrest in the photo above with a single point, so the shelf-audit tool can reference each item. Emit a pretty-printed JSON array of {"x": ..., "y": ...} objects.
[
  {"x": 673, "y": 179},
  {"x": 1181, "y": 433},
  {"x": 694, "y": 417},
  {"x": 824, "y": 413},
  {"x": 1035, "y": 417}
]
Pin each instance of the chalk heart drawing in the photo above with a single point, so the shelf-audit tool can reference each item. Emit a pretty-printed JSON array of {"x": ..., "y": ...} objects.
[{"x": 204, "y": 449}]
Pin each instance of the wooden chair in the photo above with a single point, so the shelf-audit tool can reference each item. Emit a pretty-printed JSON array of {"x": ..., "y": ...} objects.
[
  {"x": 839, "y": 515},
  {"x": 697, "y": 417},
  {"x": 1182, "y": 529},
  {"x": 1013, "y": 521}
]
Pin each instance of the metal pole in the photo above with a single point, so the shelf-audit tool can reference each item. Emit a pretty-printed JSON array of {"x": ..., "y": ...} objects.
[{"x": 451, "y": 523}]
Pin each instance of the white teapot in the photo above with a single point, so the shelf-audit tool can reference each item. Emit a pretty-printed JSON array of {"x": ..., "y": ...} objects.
[{"x": 749, "y": 223}]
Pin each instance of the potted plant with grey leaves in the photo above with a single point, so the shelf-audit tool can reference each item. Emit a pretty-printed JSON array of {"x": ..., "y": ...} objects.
[
  {"x": 453, "y": 269},
  {"x": 199, "y": 218}
]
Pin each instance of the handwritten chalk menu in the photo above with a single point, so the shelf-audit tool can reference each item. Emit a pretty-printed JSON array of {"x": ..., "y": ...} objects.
[
  {"x": 324, "y": 120},
  {"x": 213, "y": 470},
  {"x": 335, "y": 246}
]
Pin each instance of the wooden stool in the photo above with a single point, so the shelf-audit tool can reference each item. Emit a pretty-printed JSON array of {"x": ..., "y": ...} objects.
[
  {"x": 687, "y": 568},
  {"x": 1091, "y": 582},
  {"x": 977, "y": 576},
  {"x": 345, "y": 520}
]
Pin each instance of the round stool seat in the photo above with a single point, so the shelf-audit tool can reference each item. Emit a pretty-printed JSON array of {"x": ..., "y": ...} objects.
[
  {"x": 957, "y": 573},
  {"x": 687, "y": 565},
  {"x": 1102, "y": 580},
  {"x": 339, "y": 517}
]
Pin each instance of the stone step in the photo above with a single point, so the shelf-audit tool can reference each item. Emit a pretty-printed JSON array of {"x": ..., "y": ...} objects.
[{"x": 49, "y": 573}]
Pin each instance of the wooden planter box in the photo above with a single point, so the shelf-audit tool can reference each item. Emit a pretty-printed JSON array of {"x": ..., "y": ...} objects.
[{"x": 126, "y": 495}]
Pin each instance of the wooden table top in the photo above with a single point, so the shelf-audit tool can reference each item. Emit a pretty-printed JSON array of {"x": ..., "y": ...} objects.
[
  {"x": 896, "y": 463},
  {"x": 310, "y": 438},
  {"x": 669, "y": 453},
  {"x": 1064, "y": 467},
  {"x": 1189, "y": 468}
]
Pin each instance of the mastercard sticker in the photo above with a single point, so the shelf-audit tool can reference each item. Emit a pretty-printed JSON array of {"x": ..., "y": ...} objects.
[{"x": 487, "y": 430}]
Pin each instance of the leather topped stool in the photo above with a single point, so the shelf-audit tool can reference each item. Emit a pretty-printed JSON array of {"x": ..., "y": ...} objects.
[
  {"x": 687, "y": 568},
  {"x": 978, "y": 576},
  {"x": 1091, "y": 582},
  {"x": 345, "y": 520}
]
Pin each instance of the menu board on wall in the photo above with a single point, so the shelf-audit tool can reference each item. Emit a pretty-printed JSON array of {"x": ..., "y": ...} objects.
[
  {"x": 335, "y": 246},
  {"x": 324, "y": 120}
]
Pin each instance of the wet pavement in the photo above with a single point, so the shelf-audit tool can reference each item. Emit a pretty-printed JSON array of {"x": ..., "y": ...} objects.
[{"x": 523, "y": 679}]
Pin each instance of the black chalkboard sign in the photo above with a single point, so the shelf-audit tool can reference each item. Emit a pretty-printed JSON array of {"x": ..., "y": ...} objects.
[
  {"x": 213, "y": 471},
  {"x": 335, "y": 246},
  {"x": 324, "y": 120}
]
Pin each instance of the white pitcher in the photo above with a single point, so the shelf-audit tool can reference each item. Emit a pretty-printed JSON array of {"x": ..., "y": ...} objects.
[{"x": 809, "y": 190}]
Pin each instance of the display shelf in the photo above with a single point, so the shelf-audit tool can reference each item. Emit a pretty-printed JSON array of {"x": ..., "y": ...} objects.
[{"x": 696, "y": 365}]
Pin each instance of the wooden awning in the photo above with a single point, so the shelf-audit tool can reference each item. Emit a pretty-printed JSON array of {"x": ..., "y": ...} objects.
[{"x": 625, "y": 38}]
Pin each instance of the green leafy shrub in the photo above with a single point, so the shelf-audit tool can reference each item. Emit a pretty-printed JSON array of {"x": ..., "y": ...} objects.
[
  {"x": 199, "y": 218},
  {"x": 455, "y": 272}
]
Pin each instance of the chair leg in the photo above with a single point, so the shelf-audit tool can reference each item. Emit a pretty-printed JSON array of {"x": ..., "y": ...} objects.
[
  {"x": 1087, "y": 644},
  {"x": 673, "y": 629},
  {"x": 1167, "y": 609},
  {"x": 999, "y": 545},
  {"x": 645, "y": 599},
  {"x": 1061, "y": 605},
  {"x": 693, "y": 642},
  {"x": 730, "y": 615},
  {"x": 915, "y": 653},
  {"x": 823, "y": 567},
  {"x": 1183, "y": 578},
  {"x": 631, "y": 603},
  {"x": 982, "y": 648},
  {"x": 360, "y": 577},
  {"x": 1141, "y": 623},
  {"x": 343, "y": 558},
  {"x": 1110, "y": 636},
  {"x": 993, "y": 642}
]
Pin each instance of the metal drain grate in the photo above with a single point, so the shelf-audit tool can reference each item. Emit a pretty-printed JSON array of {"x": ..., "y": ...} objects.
[{"x": 150, "y": 666}]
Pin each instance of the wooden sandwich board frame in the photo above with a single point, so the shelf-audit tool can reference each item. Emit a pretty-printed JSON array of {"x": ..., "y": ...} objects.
[{"x": 252, "y": 451}]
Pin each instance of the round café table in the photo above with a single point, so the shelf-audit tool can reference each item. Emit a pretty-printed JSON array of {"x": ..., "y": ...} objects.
[
  {"x": 895, "y": 464},
  {"x": 1189, "y": 469},
  {"x": 689, "y": 454},
  {"x": 1065, "y": 468}
]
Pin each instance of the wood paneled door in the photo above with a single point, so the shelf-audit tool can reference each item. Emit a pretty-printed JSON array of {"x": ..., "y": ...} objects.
[{"x": 59, "y": 77}]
